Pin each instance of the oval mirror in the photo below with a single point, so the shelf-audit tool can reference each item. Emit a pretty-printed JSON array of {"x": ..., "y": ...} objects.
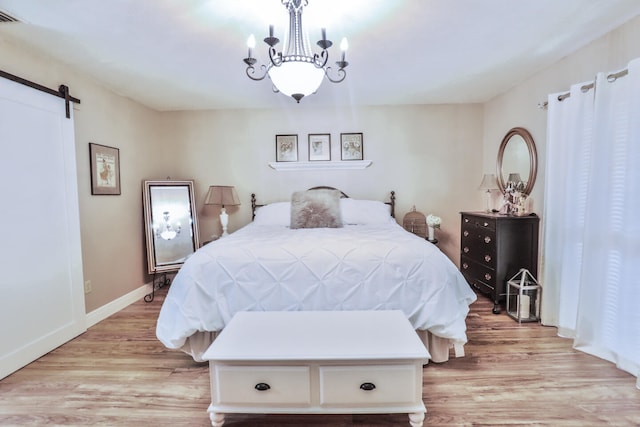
[{"x": 517, "y": 155}]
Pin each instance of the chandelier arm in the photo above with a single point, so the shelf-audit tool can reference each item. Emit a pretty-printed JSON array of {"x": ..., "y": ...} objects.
[
  {"x": 251, "y": 72},
  {"x": 320, "y": 60},
  {"x": 340, "y": 75},
  {"x": 275, "y": 57}
]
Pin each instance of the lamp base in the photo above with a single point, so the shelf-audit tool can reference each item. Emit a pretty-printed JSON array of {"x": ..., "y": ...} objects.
[
  {"x": 224, "y": 221},
  {"x": 488, "y": 201}
]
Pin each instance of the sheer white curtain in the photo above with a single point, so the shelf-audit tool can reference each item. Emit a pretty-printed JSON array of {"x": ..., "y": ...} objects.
[{"x": 591, "y": 266}]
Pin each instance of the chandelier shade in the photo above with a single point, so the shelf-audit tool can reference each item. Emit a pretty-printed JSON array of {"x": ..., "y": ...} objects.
[
  {"x": 296, "y": 78},
  {"x": 296, "y": 71}
]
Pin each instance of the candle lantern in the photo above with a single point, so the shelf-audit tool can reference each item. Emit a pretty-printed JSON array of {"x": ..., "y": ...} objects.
[{"x": 523, "y": 297}]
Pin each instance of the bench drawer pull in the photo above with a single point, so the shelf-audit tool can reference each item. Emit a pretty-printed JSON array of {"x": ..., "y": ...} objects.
[
  {"x": 367, "y": 386},
  {"x": 262, "y": 386}
]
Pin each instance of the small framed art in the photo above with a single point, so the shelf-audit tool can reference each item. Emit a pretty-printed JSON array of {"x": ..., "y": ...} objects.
[
  {"x": 319, "y": 146},
  {"x": 286, "y": 148},
  {"x": 351, "y": 146},
  {"x": 105, "y": 170}
]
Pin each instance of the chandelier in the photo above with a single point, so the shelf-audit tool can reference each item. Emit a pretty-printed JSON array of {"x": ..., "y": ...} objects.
[
  {"x": 296, "y": 72},
  {"x": 167, "y": 231}
]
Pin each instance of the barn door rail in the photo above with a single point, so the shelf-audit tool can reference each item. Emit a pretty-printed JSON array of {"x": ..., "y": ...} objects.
[{"x": 62, "y": 92}]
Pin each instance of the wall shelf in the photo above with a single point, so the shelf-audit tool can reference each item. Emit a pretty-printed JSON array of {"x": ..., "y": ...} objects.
[{"x": 299, "y": 166}]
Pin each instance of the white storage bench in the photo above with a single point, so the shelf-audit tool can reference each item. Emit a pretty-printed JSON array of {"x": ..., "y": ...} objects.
[{"x": 317, "y": 362}]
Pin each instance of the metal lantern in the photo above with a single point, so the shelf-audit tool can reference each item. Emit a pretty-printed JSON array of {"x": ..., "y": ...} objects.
[{"x": 523, "y": 297}]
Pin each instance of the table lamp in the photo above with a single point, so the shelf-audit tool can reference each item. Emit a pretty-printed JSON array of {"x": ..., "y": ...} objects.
[
  {"x": 489, "y": 183},
  {"x": 222, "y": 195}
]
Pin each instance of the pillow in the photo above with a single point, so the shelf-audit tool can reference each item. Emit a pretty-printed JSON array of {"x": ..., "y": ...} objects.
[
  {"x": 365, "y": 212},
  {"x": 316, "y": 209},
  {"x": 274, "y": 214}
]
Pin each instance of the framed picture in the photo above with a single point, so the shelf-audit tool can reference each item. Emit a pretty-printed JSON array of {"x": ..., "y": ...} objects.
[
  {"x": 319, "y": 146},
  {"x": 351, "y": 146},
  {"x": 105, "y": 169},
  {"x": 171, "y": 224},
  {"x": 286, "y": 148}
]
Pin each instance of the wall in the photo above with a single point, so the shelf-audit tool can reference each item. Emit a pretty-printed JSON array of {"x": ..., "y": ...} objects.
[
  {"x": 113, "y": 250},
  {"x": 426, "y": 154},
  {"x": 519, "y": 106}
]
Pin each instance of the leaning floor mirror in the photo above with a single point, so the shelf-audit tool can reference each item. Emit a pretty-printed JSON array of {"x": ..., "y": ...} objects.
[{"x": 171, "y": 224}]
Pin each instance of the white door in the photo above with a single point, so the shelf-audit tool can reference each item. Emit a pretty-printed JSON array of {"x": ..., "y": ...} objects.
[{"x": 41, "y": 290}]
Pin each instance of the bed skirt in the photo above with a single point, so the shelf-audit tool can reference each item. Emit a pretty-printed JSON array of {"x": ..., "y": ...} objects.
[{"x": 438, "y": 347}]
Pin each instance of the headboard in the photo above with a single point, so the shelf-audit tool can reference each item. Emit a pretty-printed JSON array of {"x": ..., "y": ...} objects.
[{"x": 391, "y": 202}]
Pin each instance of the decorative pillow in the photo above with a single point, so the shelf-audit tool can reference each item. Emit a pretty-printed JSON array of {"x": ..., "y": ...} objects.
[
  {"x": 316, "y": 209},
  {"x": 274, "y": 214},
  {"x": 365, "y": 212}
]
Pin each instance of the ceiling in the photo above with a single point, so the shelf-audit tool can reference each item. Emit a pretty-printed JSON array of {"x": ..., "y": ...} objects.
[{"x": 187, "y": 54}]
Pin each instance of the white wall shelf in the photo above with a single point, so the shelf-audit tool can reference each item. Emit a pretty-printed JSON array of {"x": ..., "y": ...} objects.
[{"x": 299, "y": 166}]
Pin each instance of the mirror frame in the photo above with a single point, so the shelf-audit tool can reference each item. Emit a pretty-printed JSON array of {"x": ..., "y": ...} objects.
[
  {"x": 151, "y": 206},
  {"x": 533, "y": 158}
]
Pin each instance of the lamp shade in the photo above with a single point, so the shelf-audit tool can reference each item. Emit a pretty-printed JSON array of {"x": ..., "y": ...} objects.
[
  {"x": 222, "y": 195},
  {"x": 514, "y": 177},
  {"x": 489, "y": 182}
]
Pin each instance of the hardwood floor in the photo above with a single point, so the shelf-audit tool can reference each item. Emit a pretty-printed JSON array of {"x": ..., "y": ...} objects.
[{"x": 118, "y": 374}]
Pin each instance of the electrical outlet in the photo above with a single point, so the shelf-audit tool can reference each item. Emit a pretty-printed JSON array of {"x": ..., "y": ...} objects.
[{"x": 87, "y": 286}]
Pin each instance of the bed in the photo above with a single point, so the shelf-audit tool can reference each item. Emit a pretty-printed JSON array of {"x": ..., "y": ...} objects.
[{"x": 319, "y": 251}]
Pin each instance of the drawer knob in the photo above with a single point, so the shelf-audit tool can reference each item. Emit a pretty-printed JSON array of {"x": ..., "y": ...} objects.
[
  {"x": 465, "y": 250},
  {"x": 466, "y": 220},
  {"x": 486, "y": 224},
  {"x": 465, "y": 265},
  {"x": 487, "y": 276},
  {"x": 367, "y": 386},
  {"x": 262, "y": 386},
  {"x": 466, "y": 233},
  {"x": 487, "y": 239},
  {"x": 487, "y": 258}
]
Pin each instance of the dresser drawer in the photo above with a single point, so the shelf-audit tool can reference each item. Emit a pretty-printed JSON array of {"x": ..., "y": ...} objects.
[
  {"x": 280, "y": 385},
  {"x": 348, "y": 385},
  {"x": 483, "y": 253},
  {"x": 478, "y": 222},
  {"x": 475, "y": 272}
]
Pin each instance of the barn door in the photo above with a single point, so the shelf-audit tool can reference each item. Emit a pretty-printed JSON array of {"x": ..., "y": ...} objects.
[{"x": 41, "y": 291}]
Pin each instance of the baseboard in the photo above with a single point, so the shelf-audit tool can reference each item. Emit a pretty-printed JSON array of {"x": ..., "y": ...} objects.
[{"x": 99, "y": 314}]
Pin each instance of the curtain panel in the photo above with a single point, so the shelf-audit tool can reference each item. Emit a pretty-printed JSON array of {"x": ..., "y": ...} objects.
[{"x": 591, "y": 231}]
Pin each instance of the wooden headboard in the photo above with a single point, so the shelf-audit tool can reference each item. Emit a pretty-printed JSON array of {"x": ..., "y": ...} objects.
[{"x": 391, "y": 202}]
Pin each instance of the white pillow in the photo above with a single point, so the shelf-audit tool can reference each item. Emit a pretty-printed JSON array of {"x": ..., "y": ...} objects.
[
  {"x": 365, "y": 212},
  {"x": 274, "y": 214}
]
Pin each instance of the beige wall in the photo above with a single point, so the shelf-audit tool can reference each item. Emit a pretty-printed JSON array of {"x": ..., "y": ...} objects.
[
  {"x": 427, "y": 154},
  {"x": 432, "y": 156},
  {"x": 111, "y": 226},
  {"x": 519, "y": 106}
]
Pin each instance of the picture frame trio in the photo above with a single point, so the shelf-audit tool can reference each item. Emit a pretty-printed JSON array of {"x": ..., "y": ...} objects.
[{"x": 319, "y": 147}]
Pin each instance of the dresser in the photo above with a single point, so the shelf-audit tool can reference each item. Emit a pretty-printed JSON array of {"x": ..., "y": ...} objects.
[
  {"x": 494, "y": 247},
  {"x": 317, "y": 362}
]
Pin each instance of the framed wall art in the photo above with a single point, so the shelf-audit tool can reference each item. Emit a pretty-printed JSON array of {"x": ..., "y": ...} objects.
[
  {"x": 286, "y": 148},
  {"x": 105, "y": 170},
  {"x": 351, "y": 146},
  {"x": 319, "y": 146}
]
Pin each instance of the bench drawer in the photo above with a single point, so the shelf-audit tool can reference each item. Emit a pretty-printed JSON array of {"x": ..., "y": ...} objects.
[
  {"x": 262, "y": 385},
  {"x": 348, "y": 385}
]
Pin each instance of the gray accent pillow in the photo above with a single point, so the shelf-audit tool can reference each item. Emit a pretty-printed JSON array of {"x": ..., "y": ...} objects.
[{"x": 316, "y": 209}]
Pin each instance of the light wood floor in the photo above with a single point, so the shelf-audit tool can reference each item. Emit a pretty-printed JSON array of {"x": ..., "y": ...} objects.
[{"x": 118, "y": 374}]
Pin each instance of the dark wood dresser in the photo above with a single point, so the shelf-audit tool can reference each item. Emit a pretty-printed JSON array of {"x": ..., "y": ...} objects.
[{"x": 494, "y": 247}]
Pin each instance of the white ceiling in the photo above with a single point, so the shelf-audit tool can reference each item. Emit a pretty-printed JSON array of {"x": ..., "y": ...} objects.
[{"x": 187, "y": 54}]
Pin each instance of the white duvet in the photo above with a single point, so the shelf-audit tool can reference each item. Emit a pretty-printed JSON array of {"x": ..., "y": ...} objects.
[{"x": 356, "y": 267}]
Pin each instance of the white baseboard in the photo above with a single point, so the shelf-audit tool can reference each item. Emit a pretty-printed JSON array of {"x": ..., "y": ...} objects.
[{"x": 99, "y": 314}]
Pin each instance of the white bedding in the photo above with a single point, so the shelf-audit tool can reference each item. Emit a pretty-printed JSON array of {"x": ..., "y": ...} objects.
[{"x": 356, "y": 267}]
